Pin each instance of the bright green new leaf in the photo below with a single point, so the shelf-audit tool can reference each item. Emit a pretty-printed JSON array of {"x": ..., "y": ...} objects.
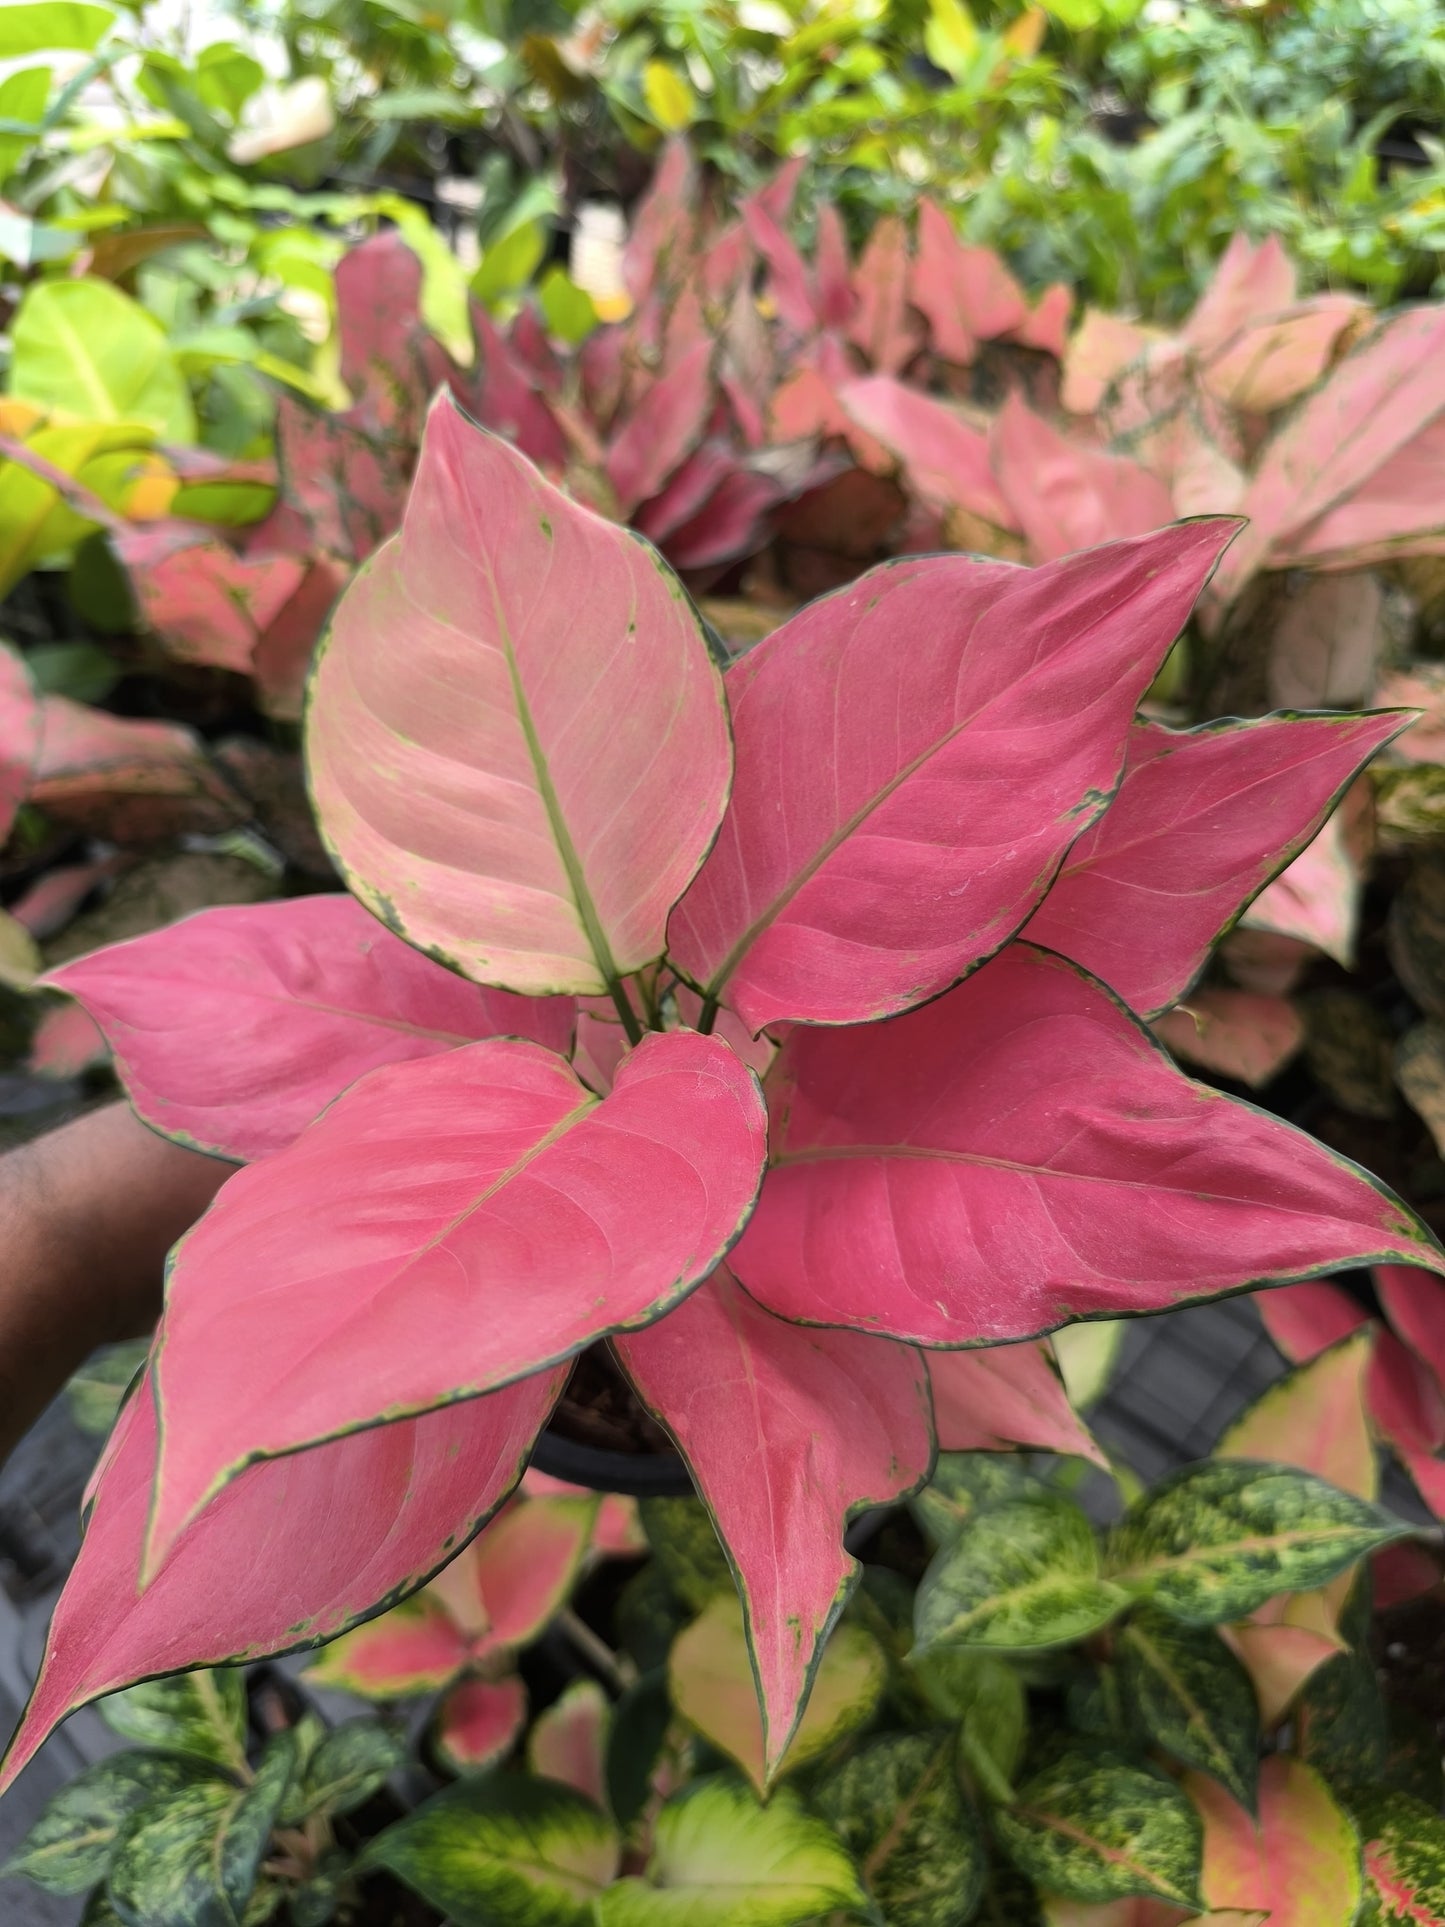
[
  {"x": 720, "y": 1859},
  {"x": 897, "y": 1807},
  {"x": 71, "y": 1845},
  {"x": 670, "y": 101},
  {"x": 951, "y": 38},
  {"x": 73, "y": 25},
  {"x": 1093, "y": 1827},
  {"x": 1023, "y": 1576},
  {"x": 501, "y": 1847},
  {"x": 22, "y": 98},
  {"x": 348, "y": 1766},
  {"x": 1404, "y": 1845},
  {"x": 1214, "y": 1541},
  {"x": 1193, "y": 1698},
  {"x": 568, "y": 310},
  {"x": 444, "y": 291},
  {"x": 87, "y": 350},
  {"x": 510, "y": 263},
  {"x": 202, "y": 1714}
]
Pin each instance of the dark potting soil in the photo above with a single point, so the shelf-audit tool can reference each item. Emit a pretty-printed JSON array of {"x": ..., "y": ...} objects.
[{"x": 598, "y": 1409}]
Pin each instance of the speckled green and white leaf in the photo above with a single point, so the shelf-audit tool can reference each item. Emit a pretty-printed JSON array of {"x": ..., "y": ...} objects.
[
  {"x": 349, "y": 1765},
  {"x": 965, "y": 1483},
  {"x": 721, "y": 1859},
  {"x": 1214, "y": 1541},
  {"x": 897, "y": 1807},
  {"x": 203, "y": 1714},
  {"x": 1022, "y": 1575},
  {"x": 502, "y": 1847},
  {"x": 1341, "y": 1726},
  {"x": 986, "y": 1697},
  {"x": 1404, "y": 1858},
  {"x": 687, "y": 1549},
  {"x": 1193, "y": 1698},
  {"x": 1092, "y": 1827},
  {"x": 192, "y": 1860},
  {"x": 71, "y": 1845}
]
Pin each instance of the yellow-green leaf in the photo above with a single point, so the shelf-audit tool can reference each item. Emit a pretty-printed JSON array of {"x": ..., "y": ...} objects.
[{"x": 88, "y": 352}]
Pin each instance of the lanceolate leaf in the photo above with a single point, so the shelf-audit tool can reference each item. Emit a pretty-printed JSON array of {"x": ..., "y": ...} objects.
[
  {"x": 71, "y": 1845},
  {"x": 1003, "y": 1397},
  {"x": 202, "y": 1714},
  {"x": 277, "y": 1562},
  {"x": 484, "y": 1175},
  {"x": 1065, "y": 495},
  {"x": 1019, "y": 1153},
  {"x": 233, "y": 1029},
  {"x": 1404, "y": 1843},
  {"x": 1192, "y": 1697},
  {"x": 788, "y": 1433},
  {"x": 943, "y": 456},
  {"x": 1214, "y": 1541},
  {"x": 847, "y": 899},
  {"x": 1300, "y": 1861},
  {"x": 1202, "y": 821},
  {"x": 526, "y": 787},
  {"x": 1092, "y": 1827},
  {"x": 1315, "y": 1418}
]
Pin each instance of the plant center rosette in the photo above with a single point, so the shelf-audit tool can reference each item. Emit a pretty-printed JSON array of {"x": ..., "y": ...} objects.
[{"x": 783, "y": 1026}]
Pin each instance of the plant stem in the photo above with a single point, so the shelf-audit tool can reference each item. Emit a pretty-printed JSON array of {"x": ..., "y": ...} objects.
[
  {"x": 625, "y": 1010},
  {"x": 616, "y": 1670},
  {"x": 707, "y": 1017}
]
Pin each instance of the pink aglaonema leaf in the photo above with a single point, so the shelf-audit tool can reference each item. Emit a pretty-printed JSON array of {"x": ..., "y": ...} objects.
[
  {"x": 1046, "y": 325},
  {"x": 504, "y": 1588},
  {"x": 504, "y": 397},
  {"x": 127, "y": 780},
  {"x": 1101, "y": 348},
  {"x": 525, "y": 789},
  {"x": 832, "y": 270},
  {"x": 206, "y": 603},
  {"x": 485, "y": 1173},
  {"x": 789, "y": 285},
  {"x": 1066, "y": 496},
  {"x": 235, "y": 1027},
  {"x": 1297, "y": 1859},
  {"x": 687, "y": 491},
  {"x": 1315, "y": 1419},
  {"x": 937, "y": 285},
  {"x": 787, "y": 1433},
  {"x": 944, "y": 457},
  {"x": 277, "y": 1563},
  {"x": 729, "y": 524},
  {"x": 345, "y": 482},
  {"x": 414, "y": 1648},
  {"x": 390, "y": 361},
  {"x": 478, "y": 1721},
  {"x": 882, "y": 329},
  {"x": 66, "y": 1041},
  {"x": 1415, "y": 1306},
  {"x": 1269, "y": 362},
  {"x": 663, "y": 227},
  {"x": 1234, "y": 1033},
  {"x": 1306, "y": 1319},
  {"x": 1250, "y": 280},
  {"x": 1006, "y": 1398},
  {"x": 945, "y": 810},
  {"x": 19, "y": 734},
  {"x": 1317, "y": 897},
  {"x": 663, "y": 431},
  {"x": 617, "y": 1533},
  {"x": 1202, "y": 821},
  {"x": 568, "y": 1742},
  {"x": 1021, "y": 1152},
  {"x": 282, "y": 657}
]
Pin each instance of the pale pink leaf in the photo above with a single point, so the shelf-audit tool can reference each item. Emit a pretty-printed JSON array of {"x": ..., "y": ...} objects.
[
  {"x": 568, "y": 1742},
  {"x": 1298, "y": 1860},
  {"x": 524, "y": 789},
  {"x": 1203, "y": 819},
  {"x": 788, "y": 1433},
  {"x": 1326, "y": 644},
  {"x": 485, "y": 1174},
  {"x": 1269, "y": 362},
  {"x": 944, "y": 458},
  {"x": 832, "y": 269},
  {"x": 882, "y": 328},
  {"x": 1006, "y": 1398},
  {"x": 1317, "y": 897},
  {"x": 19, "y": 734},
  {"x": 278, "y": 1562},
  {"x": 1421, "y": 686},
  {"x": 478, "y": 1722},
  {"x": 127, "y": 780},
  {"x": 517, "y": 1574},
  {"x": 665, "y": 428},
  {"x": 938, "y": 285},
  {"x": 1100, "y": 349},
  {"x": 1249, "y": 281},
  {"x": 67, "y": 1041},
  {"x": 1259, "y": 961},
  {"x": 897, "y": 812},
  {"x": 1233, "y": 1033},
  {"x": 1066, "y": 496},
  {"x": 414, "y": 1648},
  {"x": 1020, "y": 1153},
  {"x": 1046, "y": 325},
  {"x": 233, "y": 1028}
]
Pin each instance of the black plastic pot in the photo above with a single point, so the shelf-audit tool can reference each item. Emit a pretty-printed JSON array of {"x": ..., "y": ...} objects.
[{"x": 640, "y": 1475}]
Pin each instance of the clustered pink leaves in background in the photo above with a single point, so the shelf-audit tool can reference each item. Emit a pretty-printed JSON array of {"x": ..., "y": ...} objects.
[{"x": 917, "y": 758}]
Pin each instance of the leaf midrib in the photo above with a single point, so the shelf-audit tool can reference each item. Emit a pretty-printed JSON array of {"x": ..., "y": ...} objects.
[{"x": 1232, "y": 1548}]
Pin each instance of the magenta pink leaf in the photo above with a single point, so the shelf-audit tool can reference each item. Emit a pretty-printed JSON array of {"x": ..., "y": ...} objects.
[
  {"x": 66, "y": 1041},
  {"x": 346, "y": 483},
  {"x": 235, "y": 1027},
  {"x": 882, "y": 329},
  {"x": 686, "y": 492},
  {"x": 1201, "y": 822},
  {"x": 663, "y": 430},
  {"x": 1003, "y": 1398},
  {"x": 1249, "y": 281},
  {"x": 1305, "y": 1320},
  {"x": 390, "y": 361},
  {"x": 504, "y": 397},
  {"x": 944, "y": 458},
  {"x": 832, "y": 271},
  {"x": 478, "y": 1722},
  {"x": 1414, "y": 1303},
  {"x": 485, "y": 1174},
  {"x": 1019, "y": 1153},
  {"x": 1316, "y": 898},
  {"x": 414, "y": 1648},
  {"x": 126, "y": 780},
  {"x": 664, "y": 225},
  {"x": 206, "y": 603},
  {"x": 731, "y": 523},
  {"x": 1066, "y": 496},
  {"x": 897, "y": 811},
  {"x": 504, "y": 1588},
  {"x": 19, "y": 734},
  {"x": 525, "y": 789},
  {"x": 277, "y": 1563},
  {"x": 787, "y": 1433},
  {"x": 789, "y": 284}
]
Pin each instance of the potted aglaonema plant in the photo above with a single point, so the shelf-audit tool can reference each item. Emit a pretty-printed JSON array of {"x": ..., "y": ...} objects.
[{"x": 782, "y": 1030}]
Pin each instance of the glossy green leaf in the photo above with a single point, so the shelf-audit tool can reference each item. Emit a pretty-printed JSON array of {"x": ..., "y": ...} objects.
[
  {"x": 987, "y": 1697},
  {"x": 192, "y": 1860},
  {"x": 1023, "y": 1575},
  {"x": 1192, "y": 1697},
  {"x": 1093, "y": 1827},
  {"x": 1340, "y": 1722},
  {"x": 202, "y": 1714},
  {"x": 71, "y": 1845},
  {"x": 1214, "y": 1541},
  {"x": 503, "y": 1848},
  {"x": 46, "y": 25},
  {"x": 22, "y": 99},
  {"x": 721, "y": 1859},
  {"x": 567, "y": 309},
  {"x": 351, "y": 1762},
  {"x": 965, "y": 1483},
  {"x": 83, "y": 347},
  {"x": 687, "y": 1550},
  {"x": 897, "y": 1807},
  {"x": 1404, "y": 1845}
]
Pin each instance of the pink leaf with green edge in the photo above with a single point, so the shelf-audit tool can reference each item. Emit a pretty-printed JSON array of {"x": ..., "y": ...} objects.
[
  {"x": 414, "y": 1648},
  {"x": 504, "y": 397},
  {"x": 729, "y": 525},
  {"x": 944, "y": 458},
  {"x": 1316, "y": 898},
  {"x": 832, "y": 269},
  {"x": 1202, "y": 820},
  {"x": 1006, "y": 1398},
  {"x": 756, "y": 1052},
  {"x": 1020, "y": 1153},
  {"x": 66, "y": 1042},
  {"x": 789, "y": 285},
  {"x": 1304, "y": 1320},
  {"x": 1249, "y": 281},
  {"x": 1271, "y": 361},
  {"x": 787, "y": 1433},
  {"x": 1279, "y": 1658},
  {"x": 525, "y": 789},
  {"x": 206, "y": 603},
  {"x": 277, "y": 1563},
  {"x": 664, "y": 223},
  {"x": 1315, "y": 1419},
  {"x": 618, "y": 1532},
  {"x": 1233, "y": 1033},
  {"x": 1100, "y": 349},
  {"x": 897, "y": 812},
  {"x": 346, "y": 483},
  {"x": 19, "y": 734},
  {"x": 937, "y": 285},
  {"x": 126, "y": 780},
  {"x": 568, "y": 1742},
  {"x": 504, "y": 1588},
  {"x": 882, "y": 328},
  {"x": 233, "y": 1028},
  {"x": 479, "y": 1721},
  {"x": 389, "y": 360},
  {"x": 1417, "y": 1315},
  {"x": 664, "y": 429},
  {"x": 484, "y": 1170},
  {"x": 1405, "y": 1402},
  {"x": 1064, "y": 495},
  {"x": 1299, "y": 1861}
]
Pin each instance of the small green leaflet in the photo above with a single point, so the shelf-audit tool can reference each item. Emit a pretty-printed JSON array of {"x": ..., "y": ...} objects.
[
  {"x": 71, "y": 1845},
  {"x": 721, "y": 1859},
  {"x": 202, "y": 1714},
  {"x": 897, "y": 1807},
  {"x": 986, "y": 1695},
  {"x": 1093, "y": 1827},
  {"x": 1214, "y": 1541},
  {"x": 348, "y": 1766},
  {"x": 50, "y": 25},
  {"x": 966, "y": 1483},
  {"x": 502, "y": 1847},
  {"x": 1022, "y": 1575},
  {"x": 1404, "y": 1859},
  {"x": 1193, "y": 1698}
]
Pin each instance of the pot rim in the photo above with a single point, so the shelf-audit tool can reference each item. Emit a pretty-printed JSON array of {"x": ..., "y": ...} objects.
[{"x": 637, "y": 1475}]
